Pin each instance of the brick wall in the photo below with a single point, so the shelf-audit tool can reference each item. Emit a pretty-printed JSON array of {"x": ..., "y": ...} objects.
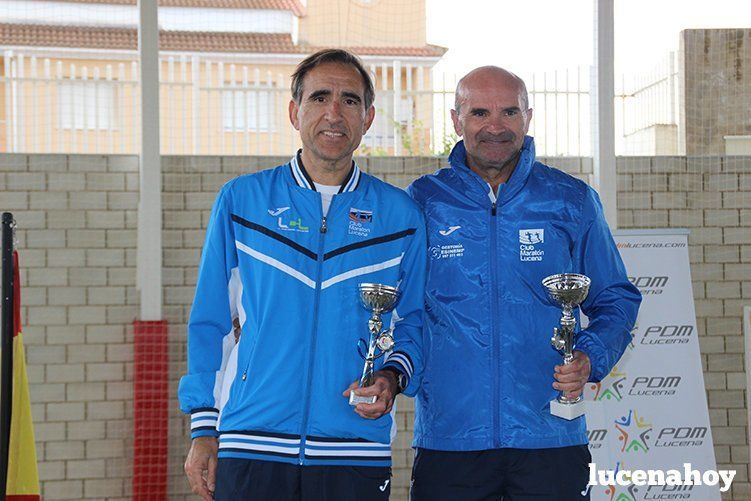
[
  {"x": 711, "y": 196},
  {"x": 77, "y": 237}
]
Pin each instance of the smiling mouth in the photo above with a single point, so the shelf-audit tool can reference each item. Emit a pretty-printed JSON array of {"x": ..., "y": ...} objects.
[{"x": 333, "y": 134}]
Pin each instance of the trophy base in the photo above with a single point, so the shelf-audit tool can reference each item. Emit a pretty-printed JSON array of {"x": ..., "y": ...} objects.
[
  {"x": 357, "y": 399},
  {"x": 566, "y": 411}
]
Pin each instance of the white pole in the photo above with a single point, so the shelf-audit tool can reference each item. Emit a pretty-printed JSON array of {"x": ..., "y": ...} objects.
[
  {"x": 184, "y": 97},
  {"x": 20, "y": 96},
  {"x": 134, "y": 97},
  {"x": 234, "y": 93},
  {"x": 603, "y": 144},
  {"x": 222, "y": 139},
  {"x": 74, "y": 136},
  {"x": 48, "y": 104},
  {"x": 121, "y": 86},
  {"x": 257, "y": 108},
  {"x": 97, "y": 89},
  {"x": 149, "y": 257},
  {"x": 36, "y": 110},
  {"x": 209, "y": 94},
  {"x": 9, "y": 118},
  {"x": 61, "y": 147},
  {"x": 112, "y": 106},
  {"x": 270, "y": 108},
  {"x": 397, "y": 84},
  {"x": 386, "y": 119},
  {"x": 169, "y": 138},
  {"x": 244, "y": 110},
  {"x": 85, "y": 109},
  {"x": 195, "y": 80}
]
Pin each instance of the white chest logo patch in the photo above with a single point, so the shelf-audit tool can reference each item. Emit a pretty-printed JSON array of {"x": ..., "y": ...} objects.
[
  {"x": 530, "y": 244},
  {"x": 448, "y": 232},
  {"x": 276, "y": 212},
  {"x": 447, "y": 251},
  {"x": 536, "y": 236}
]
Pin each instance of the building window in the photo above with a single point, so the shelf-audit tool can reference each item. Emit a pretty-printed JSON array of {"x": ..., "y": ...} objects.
[
  {"x": 385, "y": 119},
  {"x": 248, "y": 111},
  {"x": 87, "y": 105}
]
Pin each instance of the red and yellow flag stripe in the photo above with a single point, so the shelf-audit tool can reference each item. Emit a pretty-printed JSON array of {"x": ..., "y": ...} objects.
[{"x": 23, "y": 478}]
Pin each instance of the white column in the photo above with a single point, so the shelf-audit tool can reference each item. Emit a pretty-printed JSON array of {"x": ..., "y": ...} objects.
[
  {"x": 602, "y": 100},
  {"x": 397, "y": 83},
  {"x": 149, "y": 276},
  {"x": 10, "y": 119},
  {"x": 195, "y": 85}
]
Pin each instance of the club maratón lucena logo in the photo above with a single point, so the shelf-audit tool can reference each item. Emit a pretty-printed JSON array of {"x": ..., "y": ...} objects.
[
  {"x": 530, "y": 244},
  {"x": 359, "y": 222}
]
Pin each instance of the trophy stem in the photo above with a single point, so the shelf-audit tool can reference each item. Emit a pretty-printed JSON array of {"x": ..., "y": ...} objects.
[
  {"x": 566, "y": 332},
  {"x": 566, "y": 337},
  {"x": 374, "y": 326},
  {"x": 568, "y": 327}
]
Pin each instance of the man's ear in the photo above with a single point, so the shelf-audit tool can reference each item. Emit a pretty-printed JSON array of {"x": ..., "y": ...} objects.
[
  {"x": 529, "y": 120},
  {"x": 293, "y": 111},
  {"x": 457, "y": 123},
  {"x": 369, "y": 117}
]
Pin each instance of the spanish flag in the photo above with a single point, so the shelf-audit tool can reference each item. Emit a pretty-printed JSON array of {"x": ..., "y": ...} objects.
[{"x": 23, "y": 479}]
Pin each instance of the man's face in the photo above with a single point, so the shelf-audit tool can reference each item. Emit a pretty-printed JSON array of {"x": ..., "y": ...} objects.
[
  {"x": 492, "y": 119},
  {"x": 331, "y": 115}
]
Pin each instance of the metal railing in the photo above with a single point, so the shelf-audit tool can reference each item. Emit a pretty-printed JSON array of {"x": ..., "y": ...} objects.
[{"x": 213, "y": 107}]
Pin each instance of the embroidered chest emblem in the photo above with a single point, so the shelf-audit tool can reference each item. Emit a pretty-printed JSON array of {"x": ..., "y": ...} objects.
[
  {"x": 531, "y": 244},
  {"x": 360, "y": 221}
]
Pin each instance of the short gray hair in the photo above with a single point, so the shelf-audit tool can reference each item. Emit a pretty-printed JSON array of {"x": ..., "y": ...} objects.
[{"x": 339, "y": 56}]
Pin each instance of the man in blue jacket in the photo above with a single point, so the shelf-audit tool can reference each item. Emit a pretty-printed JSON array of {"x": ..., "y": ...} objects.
[
  {"x": 498, "y": 222},
  {"x": 285, "y": 251}
]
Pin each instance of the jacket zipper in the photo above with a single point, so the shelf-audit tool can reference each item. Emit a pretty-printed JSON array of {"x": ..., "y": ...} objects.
[
  {"x": 495, "y": 338},
  {"x": 317, "y": 302}
]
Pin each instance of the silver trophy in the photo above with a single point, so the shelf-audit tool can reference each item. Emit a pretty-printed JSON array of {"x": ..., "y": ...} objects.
[
  {"x": 378, "y": 299},
  {"x": 568, "y": 290}
]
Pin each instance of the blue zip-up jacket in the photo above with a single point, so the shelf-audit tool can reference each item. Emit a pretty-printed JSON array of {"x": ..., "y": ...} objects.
[
  {"x": 295, "y": 277},
  {"x": 489, "y": 362}
]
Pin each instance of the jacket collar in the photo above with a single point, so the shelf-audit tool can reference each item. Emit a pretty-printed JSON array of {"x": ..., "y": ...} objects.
[
  {"x": 302, "y": 179},
  {"x": 458, "y": 161}
]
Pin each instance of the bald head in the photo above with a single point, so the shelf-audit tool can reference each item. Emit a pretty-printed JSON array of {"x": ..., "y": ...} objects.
[
  {"x": 492, "y": 117},
  {"x": 489, "y": 76}
]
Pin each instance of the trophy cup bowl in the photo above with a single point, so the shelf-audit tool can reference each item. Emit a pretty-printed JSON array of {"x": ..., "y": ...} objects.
[
  {"x": 567, "y": 290},
  {"x": 377, "y": 299}
]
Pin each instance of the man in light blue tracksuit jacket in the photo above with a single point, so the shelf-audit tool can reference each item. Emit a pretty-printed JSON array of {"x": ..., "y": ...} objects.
[
  {"x": 285, "y": 251},
  {"x": 498, "y": 222}
]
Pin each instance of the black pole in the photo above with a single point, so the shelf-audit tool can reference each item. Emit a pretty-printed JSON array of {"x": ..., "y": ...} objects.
[{"x": 6, "y": 345}]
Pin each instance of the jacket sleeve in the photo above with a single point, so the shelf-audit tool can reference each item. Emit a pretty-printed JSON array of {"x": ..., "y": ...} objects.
[
  {"x": 210, "y": 321},
  {"x": 407, "y": 317},
  {"x": 613, "y": 301}
]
